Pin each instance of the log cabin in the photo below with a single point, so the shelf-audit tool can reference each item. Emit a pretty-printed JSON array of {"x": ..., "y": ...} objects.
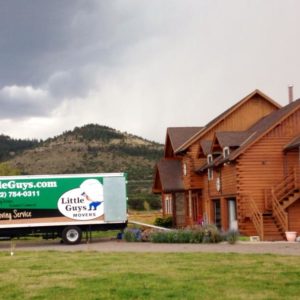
[{"x": 240, "y": 171}]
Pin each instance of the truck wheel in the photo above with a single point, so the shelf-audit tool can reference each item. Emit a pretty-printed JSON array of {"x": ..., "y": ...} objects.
[{"x": 71, "y": 235}]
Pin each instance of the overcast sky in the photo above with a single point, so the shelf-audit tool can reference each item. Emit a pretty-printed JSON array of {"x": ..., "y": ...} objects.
[{"x": 140, "y": 66}]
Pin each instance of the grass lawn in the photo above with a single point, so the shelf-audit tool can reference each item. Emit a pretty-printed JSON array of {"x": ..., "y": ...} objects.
[
  {"x": 93, "y": 275},
  {"x": 147, "y": 217}
]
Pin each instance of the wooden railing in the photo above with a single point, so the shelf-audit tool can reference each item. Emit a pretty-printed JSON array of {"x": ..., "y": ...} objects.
[
  {"x": 288, "y": 185},
  {"x": 279, "y": 213},
  {"x": 297, "y": 178},
  {"x": 268, "y": 199},
  {"x": 280, "y": 192},
  {"x": 255, "y": 214}
]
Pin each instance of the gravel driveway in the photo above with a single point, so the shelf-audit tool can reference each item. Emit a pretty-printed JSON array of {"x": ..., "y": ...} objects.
[{"x": 108, "y": 245}]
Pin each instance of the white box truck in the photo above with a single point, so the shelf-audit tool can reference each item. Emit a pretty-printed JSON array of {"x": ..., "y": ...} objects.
[{"x": 62, "y": 205}]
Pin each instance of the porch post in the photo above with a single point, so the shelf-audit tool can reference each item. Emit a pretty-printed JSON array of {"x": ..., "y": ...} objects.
[
  {"x": 189, "y": 218},
  {"x": 190, "y": 204}
]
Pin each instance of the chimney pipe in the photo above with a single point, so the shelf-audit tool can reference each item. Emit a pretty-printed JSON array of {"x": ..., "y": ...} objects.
[{"x": 291, "y": 96}]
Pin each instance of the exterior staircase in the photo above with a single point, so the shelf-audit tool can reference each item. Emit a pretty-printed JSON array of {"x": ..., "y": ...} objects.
[
  {"x": 272, "y": 231},
  {"x": 283, "y": 195},
  {"x": 290, "y": 199},
  {"x": 272, "y": 223}
]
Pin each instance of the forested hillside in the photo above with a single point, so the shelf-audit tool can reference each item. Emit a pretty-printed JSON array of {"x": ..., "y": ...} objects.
[
  {"x": 96, "y": 149},
  {"x": 10, "y": 147}
]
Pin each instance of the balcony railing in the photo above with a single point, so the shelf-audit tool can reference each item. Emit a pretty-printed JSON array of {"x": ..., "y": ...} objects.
[{"x": 255, "y": 215}]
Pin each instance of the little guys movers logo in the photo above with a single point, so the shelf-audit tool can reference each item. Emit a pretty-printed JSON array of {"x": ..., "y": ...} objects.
[{"x": 83, "y": 203}]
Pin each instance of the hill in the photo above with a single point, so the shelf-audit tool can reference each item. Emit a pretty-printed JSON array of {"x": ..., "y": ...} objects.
[
  {"x": 10, "y": 147},
  {"x": 95, "y": 149}
]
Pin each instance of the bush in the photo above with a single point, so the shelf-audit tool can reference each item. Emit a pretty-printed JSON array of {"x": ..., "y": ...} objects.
[
  {"x": 205, "y": 234},
  {"x": 136, "y": 204},
  {"x": 212, "y": 234},
  {"x": 163, "y": 237},
  {"x": 155, "y": 204},
  {"x": 198, "y": 236},
  {"x": 146, "y": 234},
  {"x": 166, "y": 222},
  {"x": 232, "y": 236},
  {"x": 132, "y": 235}
]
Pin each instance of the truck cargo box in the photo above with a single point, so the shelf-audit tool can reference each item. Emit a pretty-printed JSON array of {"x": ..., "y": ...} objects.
[{"x": 50, "y": 203}]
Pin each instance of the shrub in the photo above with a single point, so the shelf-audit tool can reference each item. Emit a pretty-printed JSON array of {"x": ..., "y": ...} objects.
[
  {"x": 135, "y": 204},
  {"x": 146, "y": 235},
  {"x": 184, "y": 236},
  {"x": 211, "y": 234},
  {"x": 166, "y": 222},
  {"x": 232, "y": 236},
  {"x": 206, "y": 234},
  {"x": 132, "y": 235},
  {"x": 155, "y": 203},
  {"x": 163, "y": 237},
  {"x": 197, "y": 236}
]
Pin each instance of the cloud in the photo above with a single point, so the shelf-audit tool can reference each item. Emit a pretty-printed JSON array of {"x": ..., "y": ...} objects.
[
  {"x": 140, "y": 66},
  {"x": 23, "y": 101}
]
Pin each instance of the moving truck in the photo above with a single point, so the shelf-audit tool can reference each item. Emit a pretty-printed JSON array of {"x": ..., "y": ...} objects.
[{"x": 62, "y": 205}]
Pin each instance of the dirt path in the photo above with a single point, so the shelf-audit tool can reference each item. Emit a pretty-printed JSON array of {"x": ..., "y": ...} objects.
[{"x": 105, "y": 245}]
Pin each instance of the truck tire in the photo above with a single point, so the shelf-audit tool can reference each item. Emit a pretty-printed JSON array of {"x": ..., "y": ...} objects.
[{"x": 71, "y": 235}]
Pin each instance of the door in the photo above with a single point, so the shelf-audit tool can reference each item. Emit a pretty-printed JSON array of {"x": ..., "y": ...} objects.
[
  {"x": 197, "y": 208},
  {"x": 232, "y": 216},
  {"x": 217, "y": 213},
  {"x": 180, "y": 210}
]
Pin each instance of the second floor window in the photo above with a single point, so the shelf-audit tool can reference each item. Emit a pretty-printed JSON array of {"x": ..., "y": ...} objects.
[
  {"x": 209, "y": 159},
  {"x": 226, "y": 152},
  {"x": 184, "y": 169}
]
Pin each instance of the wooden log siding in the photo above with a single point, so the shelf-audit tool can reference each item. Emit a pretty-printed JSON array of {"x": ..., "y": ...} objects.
[
  {"x": 227, "y": 175},
  {"x": 193, "y": 180},
  {"x": 263, "y": 164},
  {"x": 292, "y": 160},
  {"x": 245, "y": 116},
  {"x": 196, "y": 180},
  {"x": 212, "y": 190},
  {"x": 228, "y": 180},
  {"x": 294, "y": 220},
  {"x": 190, "y": 173},
  {"x": 241, "y": 119},
  {"x": 260, "y": 167}
]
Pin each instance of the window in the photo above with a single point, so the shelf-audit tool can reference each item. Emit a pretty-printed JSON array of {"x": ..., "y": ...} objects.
[
  {"x": 209, "y": 159},
  {"x": 184, "y": 169},
  {"x": 226, "y": 152},
  {"x": 168, "y": 204},
  {"x": 210, "y": 169}
]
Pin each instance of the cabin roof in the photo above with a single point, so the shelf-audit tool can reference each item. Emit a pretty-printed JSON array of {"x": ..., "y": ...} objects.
[
  {"x": 179, "y": 135},
  {"x": 263, "y": 126},
  {"x": 170, "y": 171},
  {"x": 231, "y": 138},
  {"x": 294, "y": 143},
  {"x": 206, "y": 146},
  {"x": 222, "y": 116},
  {"x": 245, "y": 139}
]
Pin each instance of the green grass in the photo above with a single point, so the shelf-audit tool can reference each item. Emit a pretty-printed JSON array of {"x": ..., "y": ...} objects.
[{"x": 92, "y": 275}]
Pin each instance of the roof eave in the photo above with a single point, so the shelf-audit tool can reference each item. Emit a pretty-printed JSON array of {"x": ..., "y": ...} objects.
[
  {"x": 241, "y": 150},
  {"x": 205, "y": 129}
]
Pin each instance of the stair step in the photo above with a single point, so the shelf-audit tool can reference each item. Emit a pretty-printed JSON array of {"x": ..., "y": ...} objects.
[
  {"x": 267, "y": 213},
  {"x": 271, "y": 231}
]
